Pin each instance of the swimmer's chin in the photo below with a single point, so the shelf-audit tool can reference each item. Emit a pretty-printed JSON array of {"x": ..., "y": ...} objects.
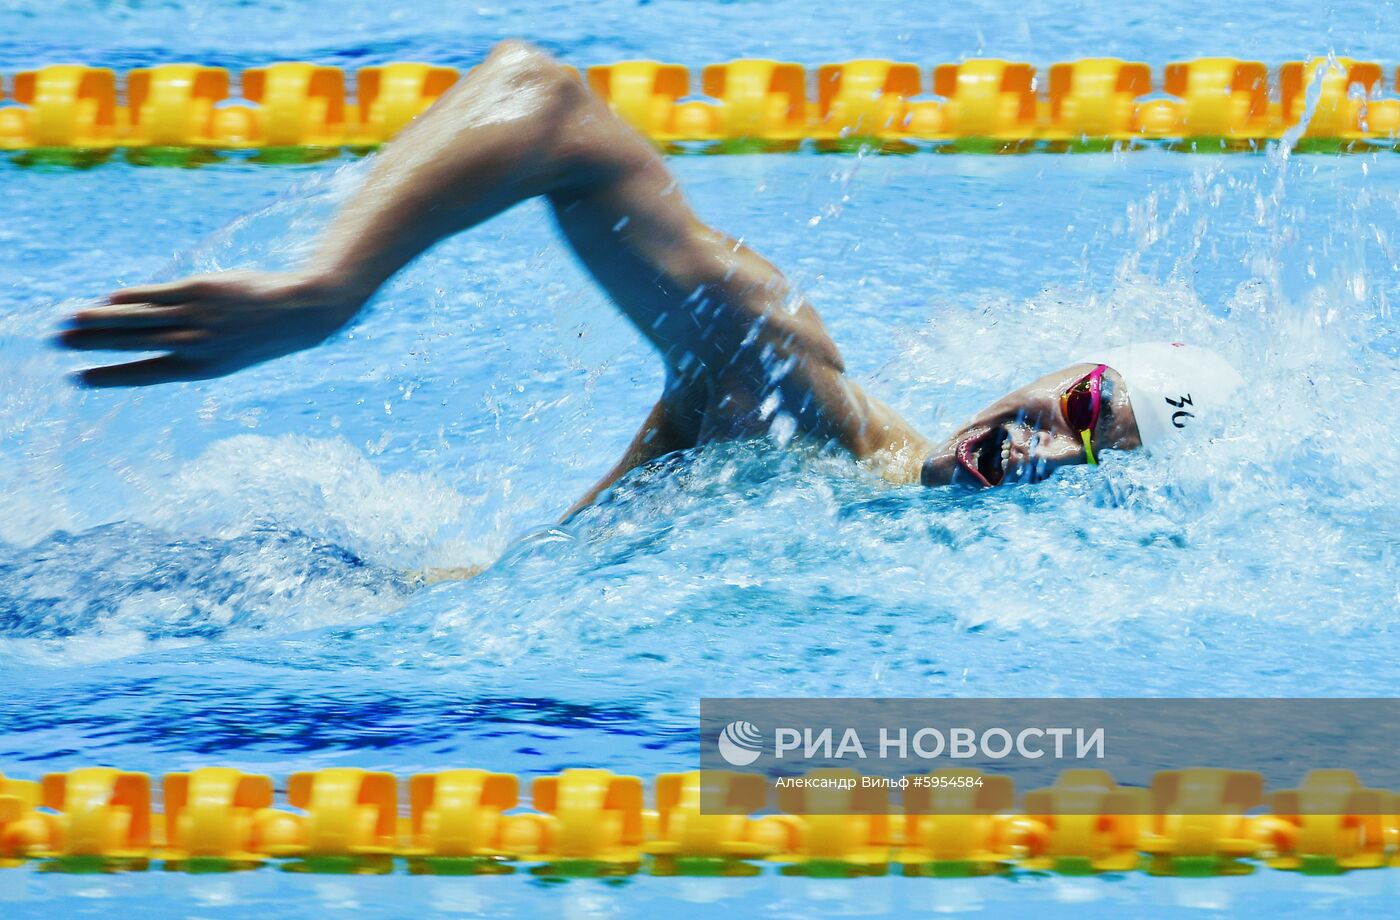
[{"x": 942, "y": 469}]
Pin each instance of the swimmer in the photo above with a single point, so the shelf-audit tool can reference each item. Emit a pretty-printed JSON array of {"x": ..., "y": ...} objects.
[{"x": 741, "y": 349}]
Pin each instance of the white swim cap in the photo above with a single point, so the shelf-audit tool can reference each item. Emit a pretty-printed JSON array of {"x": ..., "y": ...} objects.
[{"x": 1169, "y": 384}]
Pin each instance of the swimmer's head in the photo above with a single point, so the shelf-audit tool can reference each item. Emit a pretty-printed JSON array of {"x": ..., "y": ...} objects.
[{"x": 1143, "y": 395}]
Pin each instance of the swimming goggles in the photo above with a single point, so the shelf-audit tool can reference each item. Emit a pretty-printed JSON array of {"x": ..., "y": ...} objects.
[{"x": 1080, "y": 406}]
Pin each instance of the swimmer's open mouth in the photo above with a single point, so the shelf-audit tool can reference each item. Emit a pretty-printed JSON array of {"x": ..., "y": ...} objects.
[{"x": 987, "y": 456}]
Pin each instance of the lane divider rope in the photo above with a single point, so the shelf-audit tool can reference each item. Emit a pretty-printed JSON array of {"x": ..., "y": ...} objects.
[
  {"x": 958, "y": 822},
  {"x": 981, "y": 105}
]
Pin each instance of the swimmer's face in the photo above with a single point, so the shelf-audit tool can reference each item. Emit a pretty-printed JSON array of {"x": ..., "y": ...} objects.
[{"x": 1024, "y": 437}]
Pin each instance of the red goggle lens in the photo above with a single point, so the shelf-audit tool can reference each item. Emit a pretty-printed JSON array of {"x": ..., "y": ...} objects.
[{"x": 1079, "y": 405}]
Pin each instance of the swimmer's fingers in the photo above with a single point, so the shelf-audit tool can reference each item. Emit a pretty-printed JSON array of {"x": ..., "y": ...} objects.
[
  {"x": 154, "y": 305},
  {"x": 129, "y": 316},
  {"x": 168, "y": 294},
  {"x": 118, "y": 339},
  {"x": 168, "y": 369}
]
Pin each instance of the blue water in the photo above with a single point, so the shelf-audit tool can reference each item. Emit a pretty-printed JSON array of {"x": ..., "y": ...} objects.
[{"x": 216, "y": 572}]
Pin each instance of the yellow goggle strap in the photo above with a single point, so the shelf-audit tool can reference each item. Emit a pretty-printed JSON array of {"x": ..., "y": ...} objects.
[{"x": 1088, "y": 448}]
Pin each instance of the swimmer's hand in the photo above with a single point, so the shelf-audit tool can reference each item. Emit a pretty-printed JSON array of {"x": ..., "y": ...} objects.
[{"x": 208, "y": 325}]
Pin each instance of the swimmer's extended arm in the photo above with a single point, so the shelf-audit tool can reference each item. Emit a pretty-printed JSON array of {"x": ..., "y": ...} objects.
[{"x": 722, "y": 318}]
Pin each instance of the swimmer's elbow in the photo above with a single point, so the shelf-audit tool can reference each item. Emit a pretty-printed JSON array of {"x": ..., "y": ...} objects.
[
  {"x": 517, "y": 83},
  {"x": 529, "y": 65}
]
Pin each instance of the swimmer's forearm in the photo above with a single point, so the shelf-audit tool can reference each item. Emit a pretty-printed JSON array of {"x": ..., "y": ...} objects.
[
  {"x": 490, "y": 142},
  {"x": 521, "y": 125}
]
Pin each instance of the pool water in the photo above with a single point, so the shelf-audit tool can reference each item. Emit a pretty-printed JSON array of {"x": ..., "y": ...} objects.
[{"x": 219, "y": 573}]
